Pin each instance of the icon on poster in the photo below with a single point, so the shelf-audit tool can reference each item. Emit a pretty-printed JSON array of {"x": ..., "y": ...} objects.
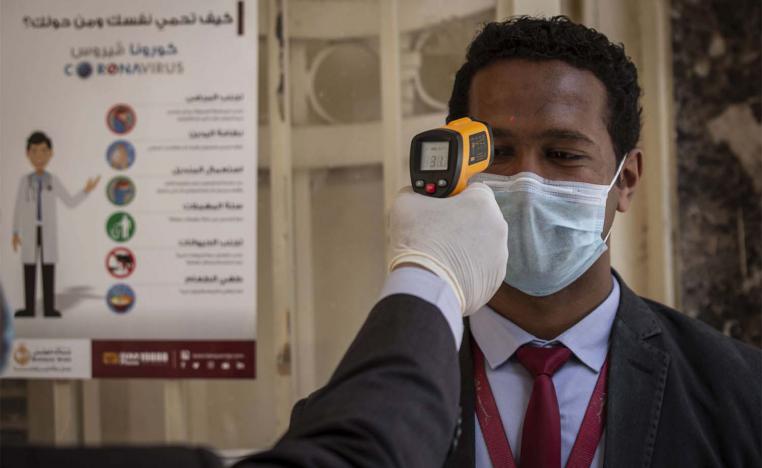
[
  {"x": 121, "y": 119},
  {"x": 120, "y": 226},
  {"x": 110, "y": 358},
  {"x": 120, "y": 191},
  {"x": 22, "y": 355},
  {"x": 120, "y": 262},
  {"x": 120, "y": 298},
  {"x": 84, "y": 70},
  {"x": 120, "y": 155}
]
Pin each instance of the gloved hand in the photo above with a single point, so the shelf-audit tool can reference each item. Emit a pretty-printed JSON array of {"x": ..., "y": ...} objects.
[{"x": 462, "y": 239}]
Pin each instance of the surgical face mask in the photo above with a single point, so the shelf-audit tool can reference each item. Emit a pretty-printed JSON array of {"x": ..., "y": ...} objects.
[{"x": 554, "y": 228}]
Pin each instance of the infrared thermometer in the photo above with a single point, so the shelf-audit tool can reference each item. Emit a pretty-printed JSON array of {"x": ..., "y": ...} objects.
[{"x": 443, "y": 159}]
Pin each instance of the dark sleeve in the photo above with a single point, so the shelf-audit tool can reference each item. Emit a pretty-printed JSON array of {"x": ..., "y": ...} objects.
[
  {"x": 392, "y": 401},
  {"x": 111, "y": 457}
]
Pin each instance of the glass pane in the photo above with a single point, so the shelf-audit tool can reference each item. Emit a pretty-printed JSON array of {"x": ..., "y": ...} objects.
[{"x": 336, "y": 102}]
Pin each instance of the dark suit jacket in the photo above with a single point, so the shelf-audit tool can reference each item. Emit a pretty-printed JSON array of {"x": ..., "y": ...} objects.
[
  {"x": 680, "y": 393},
  {"x": 111, "y": 457},
  {"x": 392, "y": 402}
]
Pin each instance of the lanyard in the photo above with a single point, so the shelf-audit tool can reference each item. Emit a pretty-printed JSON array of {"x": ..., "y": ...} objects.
[{"x": 588, "y": 437}]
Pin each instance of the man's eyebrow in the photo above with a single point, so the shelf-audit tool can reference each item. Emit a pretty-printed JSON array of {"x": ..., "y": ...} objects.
[
  {"x": 566, "y": 134},
  {"x": 549, "y": 134}
]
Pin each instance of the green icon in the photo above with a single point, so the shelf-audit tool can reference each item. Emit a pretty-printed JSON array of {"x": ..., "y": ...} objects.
[{"x": 120, "y": 226}]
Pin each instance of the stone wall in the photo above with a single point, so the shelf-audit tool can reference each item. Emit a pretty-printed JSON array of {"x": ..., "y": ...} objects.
[{"x": 718, "y": 104}]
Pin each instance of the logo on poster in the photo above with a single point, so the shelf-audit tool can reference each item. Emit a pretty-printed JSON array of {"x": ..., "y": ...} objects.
[
  {"x": 110, "y": 359},
  {"x": 21, "y": 355},
  {"x": 85, "y": 70}
]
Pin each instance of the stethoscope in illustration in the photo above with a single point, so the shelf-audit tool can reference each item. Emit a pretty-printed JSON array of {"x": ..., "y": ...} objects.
[{"x": 31, "y": 186}]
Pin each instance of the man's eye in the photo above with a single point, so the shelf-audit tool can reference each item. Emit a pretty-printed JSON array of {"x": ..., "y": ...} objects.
[{"x": 563, "y": 155}]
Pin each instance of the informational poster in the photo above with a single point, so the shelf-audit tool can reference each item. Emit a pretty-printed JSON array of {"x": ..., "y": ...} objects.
[{"x": 128, "y": 173}]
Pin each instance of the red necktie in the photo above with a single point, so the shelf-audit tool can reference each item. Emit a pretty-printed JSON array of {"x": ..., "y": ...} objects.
[{"x": 541, "y": 436}]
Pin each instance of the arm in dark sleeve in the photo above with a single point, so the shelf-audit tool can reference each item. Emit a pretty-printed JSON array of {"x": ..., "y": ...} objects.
[{"x": 392, "y": 402}]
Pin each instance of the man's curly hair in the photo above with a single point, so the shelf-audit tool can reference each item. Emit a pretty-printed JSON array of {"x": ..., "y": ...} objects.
[{"x": 558, "y": 38}]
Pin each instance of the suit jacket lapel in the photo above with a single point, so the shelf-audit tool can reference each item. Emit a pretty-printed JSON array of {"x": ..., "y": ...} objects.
[
  {"x": 462, "y": 455},
  {"x": 637, "y": 377}
]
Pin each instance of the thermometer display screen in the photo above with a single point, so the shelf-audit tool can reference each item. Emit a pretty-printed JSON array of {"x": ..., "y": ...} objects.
[{"x": 434, "y": 155}]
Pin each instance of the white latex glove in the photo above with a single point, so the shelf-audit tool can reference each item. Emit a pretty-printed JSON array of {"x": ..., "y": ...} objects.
[{"x": 462, "y": 239}]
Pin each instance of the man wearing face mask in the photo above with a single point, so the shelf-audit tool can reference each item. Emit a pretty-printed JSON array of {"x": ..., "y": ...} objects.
[{"x": 566, "y": 366}]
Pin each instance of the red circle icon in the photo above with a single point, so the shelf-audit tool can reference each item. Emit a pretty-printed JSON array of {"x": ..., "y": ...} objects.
[
  {"x": 120, "y": 262},
  {"x": 121, "y": 118}
]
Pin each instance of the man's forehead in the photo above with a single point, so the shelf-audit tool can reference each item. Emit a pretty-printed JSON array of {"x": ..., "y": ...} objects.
[{"x": 536, "y": 87}]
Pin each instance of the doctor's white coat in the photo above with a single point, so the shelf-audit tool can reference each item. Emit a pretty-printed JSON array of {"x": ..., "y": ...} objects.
[{"x": 25, "y": 215}]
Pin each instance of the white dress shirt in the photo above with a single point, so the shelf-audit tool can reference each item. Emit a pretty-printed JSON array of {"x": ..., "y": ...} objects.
[{"x": 511, "y": 383}]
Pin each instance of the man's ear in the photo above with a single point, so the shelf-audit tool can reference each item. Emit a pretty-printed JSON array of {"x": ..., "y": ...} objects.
[{"x": 629, "y": 179}]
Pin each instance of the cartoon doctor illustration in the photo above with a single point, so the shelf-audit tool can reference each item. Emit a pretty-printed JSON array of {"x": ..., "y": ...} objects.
[{"x": 35, "y": 222}]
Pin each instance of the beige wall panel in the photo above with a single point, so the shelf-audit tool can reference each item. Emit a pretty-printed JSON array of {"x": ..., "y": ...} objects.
[
  {"x": 629, "y": 249},
  {"x": 348, "y": 257}
]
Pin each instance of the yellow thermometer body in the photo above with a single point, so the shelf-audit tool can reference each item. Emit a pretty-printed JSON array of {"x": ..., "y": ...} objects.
[{"x": 443, "y": 159}]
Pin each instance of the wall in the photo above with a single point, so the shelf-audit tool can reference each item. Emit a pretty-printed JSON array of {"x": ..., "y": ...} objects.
[{"x": 718, "y": 103}]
